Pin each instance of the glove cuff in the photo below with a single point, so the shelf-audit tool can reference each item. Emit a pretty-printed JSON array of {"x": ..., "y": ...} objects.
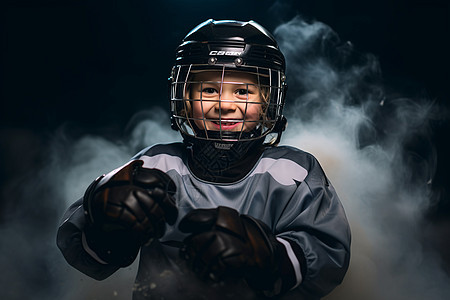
[
  {"x": 87, "y": 199},
  {"x": 264, "y": 273},
  {"x": 117, "y": 247},
  {"x": 282, "y": 270}
]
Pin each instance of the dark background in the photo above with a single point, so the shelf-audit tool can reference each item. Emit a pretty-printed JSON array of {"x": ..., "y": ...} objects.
[{"x": 89, "y": 66}]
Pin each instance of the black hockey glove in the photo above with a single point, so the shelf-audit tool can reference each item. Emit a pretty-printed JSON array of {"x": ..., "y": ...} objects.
[
  {"x": 126, "y": 210},
  {"x": 224, "y": 244}
]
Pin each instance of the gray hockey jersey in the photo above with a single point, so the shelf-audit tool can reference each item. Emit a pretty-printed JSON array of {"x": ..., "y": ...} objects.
[{"x": 286, "y": 189}]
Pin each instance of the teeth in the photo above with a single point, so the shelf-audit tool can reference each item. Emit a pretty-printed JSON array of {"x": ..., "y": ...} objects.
[{"x": 225, "y": 123}]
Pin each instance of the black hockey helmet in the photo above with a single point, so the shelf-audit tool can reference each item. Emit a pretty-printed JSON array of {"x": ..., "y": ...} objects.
[{"x": 229, "y": 46}]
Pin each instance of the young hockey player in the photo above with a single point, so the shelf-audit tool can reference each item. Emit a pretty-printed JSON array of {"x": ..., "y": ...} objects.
[{"x": 250, "y": 218}]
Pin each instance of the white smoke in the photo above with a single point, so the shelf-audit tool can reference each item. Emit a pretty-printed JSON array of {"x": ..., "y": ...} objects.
[
  {"x": 384, "y": 190},
  {"x": 334, "y": 102}
]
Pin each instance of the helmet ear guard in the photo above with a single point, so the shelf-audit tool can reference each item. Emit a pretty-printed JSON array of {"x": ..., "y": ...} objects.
[
  {"x": 229, "y": 46},
  {"x": 279, "y": 127}
]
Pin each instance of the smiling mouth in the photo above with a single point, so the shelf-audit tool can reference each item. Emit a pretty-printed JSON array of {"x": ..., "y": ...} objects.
[{"x": 225, "y": 124}]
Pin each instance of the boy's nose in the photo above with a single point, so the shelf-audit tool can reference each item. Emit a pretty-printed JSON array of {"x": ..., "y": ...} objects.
[
  {"x": 226, "y": 102},
  {"x": 225, "y": 106}
]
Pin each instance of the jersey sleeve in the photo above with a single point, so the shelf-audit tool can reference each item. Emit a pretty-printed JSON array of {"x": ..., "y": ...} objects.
[
  {"x": 70, "y": 241},
  {"x": 315, "y": 234}
]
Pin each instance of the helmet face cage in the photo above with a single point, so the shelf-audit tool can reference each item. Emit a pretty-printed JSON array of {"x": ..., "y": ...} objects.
[{"x": 269, "y": 82}]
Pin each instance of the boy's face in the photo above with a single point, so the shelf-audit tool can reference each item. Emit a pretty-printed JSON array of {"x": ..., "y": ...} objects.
[{"x": 233, "y": 103}]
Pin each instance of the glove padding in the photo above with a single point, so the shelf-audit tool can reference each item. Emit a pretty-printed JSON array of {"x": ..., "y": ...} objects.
[
  {"x": 127, "y": 209},
  {"x": 224, "y": 244}
]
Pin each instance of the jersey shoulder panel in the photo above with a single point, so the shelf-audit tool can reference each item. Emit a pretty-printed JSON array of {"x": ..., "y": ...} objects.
[
  {"x": 172, "y": 149},
  {"x": 165, "y": 157},
  {"x": 298, "y": 156},
  {"x": 286, "y": 165},
  {"x": 313, "y": 171}
]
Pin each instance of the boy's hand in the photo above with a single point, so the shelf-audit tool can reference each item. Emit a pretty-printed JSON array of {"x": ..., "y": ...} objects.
[
  {"x": 126, "y": 209},
  {"x": 224, "y": 244}
]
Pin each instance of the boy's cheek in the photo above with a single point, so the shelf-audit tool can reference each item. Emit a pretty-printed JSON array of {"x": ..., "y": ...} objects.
[
  {"x": 253, "y": 113},
  {"x": 199, "y": 124}
]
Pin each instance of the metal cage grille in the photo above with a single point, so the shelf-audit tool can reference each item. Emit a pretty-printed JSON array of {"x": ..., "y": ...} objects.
[{"x": 188, "y": 106}]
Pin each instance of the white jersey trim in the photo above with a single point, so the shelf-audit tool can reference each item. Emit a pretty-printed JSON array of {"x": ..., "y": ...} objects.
[
  {"x": 294, "y": 261},
  {"x": 284, "y": 171},
  {"x": 165, "y": 163}
]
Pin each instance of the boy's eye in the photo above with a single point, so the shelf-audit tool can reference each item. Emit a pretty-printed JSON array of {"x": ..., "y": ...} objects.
[
  {"x": 209, "y": 90},
  {"x": 242, "y": 92}
]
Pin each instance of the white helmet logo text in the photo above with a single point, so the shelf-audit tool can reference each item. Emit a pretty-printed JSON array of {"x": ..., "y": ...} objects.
[{"x": 228, "y": 53}]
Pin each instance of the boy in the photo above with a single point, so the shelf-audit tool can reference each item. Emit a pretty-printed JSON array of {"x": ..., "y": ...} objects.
[{"x": 249, "y": 218}]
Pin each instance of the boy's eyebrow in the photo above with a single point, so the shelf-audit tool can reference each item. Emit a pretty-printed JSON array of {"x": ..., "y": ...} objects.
[{"x": 226, "y": 82}]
